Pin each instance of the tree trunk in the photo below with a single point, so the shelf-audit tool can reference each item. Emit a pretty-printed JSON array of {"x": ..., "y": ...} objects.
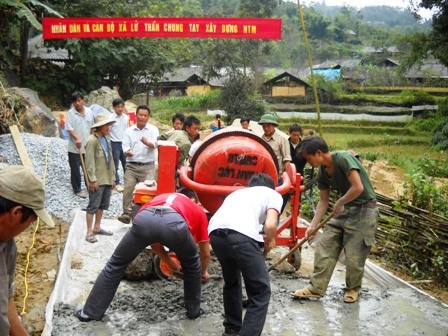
[{"x": 24, "y": 35}]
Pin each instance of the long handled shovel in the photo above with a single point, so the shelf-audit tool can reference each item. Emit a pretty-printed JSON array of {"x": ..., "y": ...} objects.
[
  {"x": 83, "y": 165},
  {"x": 301, "y": 242}
]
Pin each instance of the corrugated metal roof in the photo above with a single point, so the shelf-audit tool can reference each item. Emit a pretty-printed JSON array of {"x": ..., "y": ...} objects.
[
  {"x": 36, "y": 49},
  {"x": 429, "y": 69}
]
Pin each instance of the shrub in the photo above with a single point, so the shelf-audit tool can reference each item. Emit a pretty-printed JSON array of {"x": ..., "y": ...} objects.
[
  {"x": 421, "y": 192},
  {"x": 239, "y": 99},
  {"x": 372, "y": 156},
  {"x": 433, "y": 167},
  {"x": 439, "y": 138},
  {"x": 410, "y": 98}
]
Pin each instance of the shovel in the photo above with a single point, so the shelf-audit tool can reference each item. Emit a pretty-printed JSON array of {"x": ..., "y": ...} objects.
[
  {"x": 83, "y": 165},
  {"x": 301, "y": 242}
]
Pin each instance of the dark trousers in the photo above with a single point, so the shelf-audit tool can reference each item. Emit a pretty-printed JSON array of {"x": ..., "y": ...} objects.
[
  {"x": 169, "y": 229},
  {"x": 240, "y": 255},
  {"x": 74, "y": 160},
  {"x": 117, "y": 153}
]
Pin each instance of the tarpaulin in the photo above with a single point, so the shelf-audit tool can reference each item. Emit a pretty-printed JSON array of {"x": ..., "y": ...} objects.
[{"x": 162, "y": 27}]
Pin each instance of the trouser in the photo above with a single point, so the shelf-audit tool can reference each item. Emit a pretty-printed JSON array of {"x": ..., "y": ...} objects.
[
  {"x": 117, "y": 153},
  {"x": 352, "y": 231},
  {"x": 169, "y": 229},
  {"x": 134, "y": 174},
  {"x": 74, "y": 160},
  {"x": 239, "y": 255}
]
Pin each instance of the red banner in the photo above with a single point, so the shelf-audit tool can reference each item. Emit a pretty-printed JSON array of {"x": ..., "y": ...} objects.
[{"x": 241, "y": 28}]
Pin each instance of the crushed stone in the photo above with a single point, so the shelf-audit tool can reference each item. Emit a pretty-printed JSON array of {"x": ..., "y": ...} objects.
[{"x": 60, "y": 199}]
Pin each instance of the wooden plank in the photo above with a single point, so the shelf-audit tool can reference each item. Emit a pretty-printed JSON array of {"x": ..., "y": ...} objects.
[{"x": 20, "y": 146}]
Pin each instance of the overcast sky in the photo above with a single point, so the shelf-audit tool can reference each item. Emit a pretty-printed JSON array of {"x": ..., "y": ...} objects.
[{"x": 363, "y": 3}]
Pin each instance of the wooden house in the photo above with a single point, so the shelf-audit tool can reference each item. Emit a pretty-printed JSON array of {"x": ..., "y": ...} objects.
[{"x": 285, "y": 85}]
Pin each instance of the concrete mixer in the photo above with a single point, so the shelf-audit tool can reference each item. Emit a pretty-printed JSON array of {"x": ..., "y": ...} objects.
[{"x": 223, "y": 163}]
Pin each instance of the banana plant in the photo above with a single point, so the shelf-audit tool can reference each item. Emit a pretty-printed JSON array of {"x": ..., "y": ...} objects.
[{"x": 23, "y": 10}]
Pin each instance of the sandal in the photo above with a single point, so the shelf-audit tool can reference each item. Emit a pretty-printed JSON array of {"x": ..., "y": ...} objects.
[
  {"x": 124, "y": 218},
  {"x": 91, "y": 238},
  {"x": 305, "y": 293},
  {"x": 350, "y": 296},
  {"x": 103, "y": 232}
]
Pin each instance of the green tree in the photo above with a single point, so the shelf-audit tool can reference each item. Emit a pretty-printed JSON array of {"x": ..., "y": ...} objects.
[
  {"x": 239, "y": 99},
  {"x": 125, "y": 62},
  {"x": 17, "y": 17},
  {"x": 436, "y": 41}
]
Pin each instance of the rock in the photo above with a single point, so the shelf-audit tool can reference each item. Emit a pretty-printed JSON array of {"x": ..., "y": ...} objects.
[
  {"x": 37, "y": 118},
  {"x": 141, "y": 267},
  {"x": 51, "y": 275},
  {"x": 76, "y": 261},
  {"x": 103, "y": 97}
]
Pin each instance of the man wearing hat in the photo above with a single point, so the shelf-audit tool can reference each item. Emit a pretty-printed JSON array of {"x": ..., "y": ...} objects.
[
  {"x": 101, "y": 175},
  {"x": 22, "y": 198},
  {"x": 276, "y": 141}
]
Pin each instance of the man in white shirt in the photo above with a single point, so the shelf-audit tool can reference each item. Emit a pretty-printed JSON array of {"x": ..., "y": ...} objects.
[
  {"x": 237, "y": 243},
  {"x": 79, "y": 120},
  {"x": 116, "y": 137},
  {"x": 139, "y": 143}
]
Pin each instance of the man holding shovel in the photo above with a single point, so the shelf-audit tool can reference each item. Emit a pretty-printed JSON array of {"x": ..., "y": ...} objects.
[
  {"x": 79, "y": 120},
  {"x": 355, "y": 218}
]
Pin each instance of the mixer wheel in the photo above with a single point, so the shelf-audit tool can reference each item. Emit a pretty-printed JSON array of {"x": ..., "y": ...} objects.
[{"x": 161, "y": 268}]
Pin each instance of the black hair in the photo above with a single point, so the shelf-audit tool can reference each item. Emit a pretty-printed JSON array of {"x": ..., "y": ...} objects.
[
  {"x": 189, "y": 193},
  {"x": 295, "y": 128},
  {"x": 310, "y": 145},
  {"x": 263, "y": 180},
  {"x": 244, "y": 119},
  {"x": 117, "y": 101},
  {"x": 179, "y": 116},
  {"x": 75, "y": 95},
  {"x": 190, "y": 120},
  {"x": 143, "y": 107},
  {"x": 6, "y": 205}
]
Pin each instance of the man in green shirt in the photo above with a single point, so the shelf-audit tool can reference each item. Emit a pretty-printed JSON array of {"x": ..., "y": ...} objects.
[
  {"x": 355, "y": 218},
  {"x": 185, "y": 138}
]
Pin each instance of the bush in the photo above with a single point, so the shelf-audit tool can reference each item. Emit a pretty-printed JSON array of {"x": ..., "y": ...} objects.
[
  {"x": 439, "y": 138},
  {"x": 410, "y": 98},
  {"x": 372, "y": 156},
  {"x": 433, "y": 167},
  {"x": 239, "y": 99},
  {"x": 443, "y": 107},
  {"x": 421, "y": 192}
]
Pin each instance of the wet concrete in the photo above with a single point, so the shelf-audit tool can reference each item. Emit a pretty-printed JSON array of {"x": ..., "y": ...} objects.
[{"x": 155, "y": 307}]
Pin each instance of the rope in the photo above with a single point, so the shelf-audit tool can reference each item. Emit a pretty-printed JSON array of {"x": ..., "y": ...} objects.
[{"x": 34, "y": 237}]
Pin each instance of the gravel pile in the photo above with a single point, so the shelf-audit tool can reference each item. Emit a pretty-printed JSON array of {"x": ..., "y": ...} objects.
[{"x": 60, "y": 199}]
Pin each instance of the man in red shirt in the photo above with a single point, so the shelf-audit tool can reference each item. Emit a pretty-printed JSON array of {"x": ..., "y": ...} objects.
[{"x": 173, "y": 220}]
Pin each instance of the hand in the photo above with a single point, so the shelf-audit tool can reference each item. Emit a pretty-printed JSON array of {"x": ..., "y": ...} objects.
[
  {"x": 205, "y": 276},
  {"x": 269, "y": 244},
  {"x": 338, "y": 208},
  {"x": 129, "y": 153},
  {"x": 114, "y": 185},
  {"x": 308, "y": 231},
  {"x": 144, "y": 140},
  {"x": 78, "y": 143},
  {"x": 94, "y": 186},
  {"x": 178, "y": 273}
]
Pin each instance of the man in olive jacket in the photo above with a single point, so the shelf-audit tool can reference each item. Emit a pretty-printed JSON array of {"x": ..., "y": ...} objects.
[
  {"x": 101, "y": 175},
  {"x": 184, "y": 139}
]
